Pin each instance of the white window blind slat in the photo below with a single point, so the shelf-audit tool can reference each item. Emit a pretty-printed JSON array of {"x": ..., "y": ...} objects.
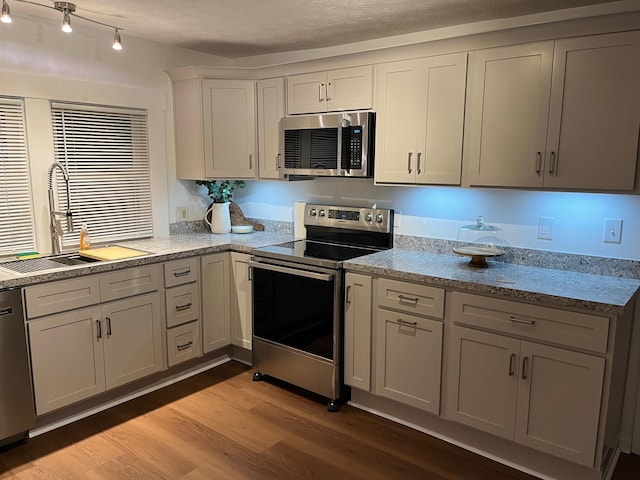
[
  {"x": 106, "y": 152},
  {"x": 16, "y": 210}
]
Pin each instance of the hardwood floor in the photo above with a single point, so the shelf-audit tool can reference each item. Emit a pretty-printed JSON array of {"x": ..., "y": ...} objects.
[{"x": 222, "y": 425}]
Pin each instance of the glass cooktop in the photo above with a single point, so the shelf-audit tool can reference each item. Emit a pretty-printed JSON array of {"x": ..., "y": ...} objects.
[{"x": 314, "y": 253}]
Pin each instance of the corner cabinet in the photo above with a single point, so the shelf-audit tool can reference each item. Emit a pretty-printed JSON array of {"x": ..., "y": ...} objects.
[
  {"x": 420, "y": 120},
  {"x": 270, "y": 111},
  {"x": 561, "y": 115},
  {"x": 333, "y": 90},
  {"x": 215, "y": 129}
]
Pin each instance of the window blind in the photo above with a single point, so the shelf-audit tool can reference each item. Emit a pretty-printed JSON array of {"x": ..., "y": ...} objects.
[
  {"x": 106, "y": 153},
  {"x": 16, "y": 211}
]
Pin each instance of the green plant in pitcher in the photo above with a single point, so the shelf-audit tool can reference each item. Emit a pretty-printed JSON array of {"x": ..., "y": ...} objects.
[{"x": 221, "y": 191}]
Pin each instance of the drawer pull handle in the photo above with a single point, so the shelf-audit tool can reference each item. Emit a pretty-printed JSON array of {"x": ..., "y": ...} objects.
[
  {"x": 181, "y": 308},
  {"x": 185, "y": 346},
  {"x": 404, "y": 298},
  {"x": 404, "y": 322},
  {"x": 525, "y": 366},
  {"x": 182, "y": 273},
  {"x": 512, "y": 362},
  {"x": 522, "y": 321}
]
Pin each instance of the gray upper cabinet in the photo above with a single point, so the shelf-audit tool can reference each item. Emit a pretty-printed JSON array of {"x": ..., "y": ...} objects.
[
  {"x": 270, "y": 111},
  {"x": 560, "y": 115}
]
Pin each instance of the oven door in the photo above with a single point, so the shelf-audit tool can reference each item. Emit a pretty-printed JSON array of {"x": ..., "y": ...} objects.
[{"x": 297, "y": 307}]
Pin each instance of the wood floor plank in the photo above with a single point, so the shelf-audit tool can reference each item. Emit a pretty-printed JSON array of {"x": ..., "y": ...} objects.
[{"x": 221, "y": 425}]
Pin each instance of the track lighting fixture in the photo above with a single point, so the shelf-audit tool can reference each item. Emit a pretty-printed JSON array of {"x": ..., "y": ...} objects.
[
  {"x": 6, "y": 13},
  {"x": 68, "y": 10}
]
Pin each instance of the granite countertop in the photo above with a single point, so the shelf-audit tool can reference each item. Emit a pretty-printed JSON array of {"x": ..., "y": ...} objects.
[
  {"x": 561, "y": 288},
  {"x": 160, "y": 249}
]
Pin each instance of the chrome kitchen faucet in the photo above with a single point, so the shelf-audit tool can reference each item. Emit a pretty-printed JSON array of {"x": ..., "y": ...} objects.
[{"x": 55, "y": 226}]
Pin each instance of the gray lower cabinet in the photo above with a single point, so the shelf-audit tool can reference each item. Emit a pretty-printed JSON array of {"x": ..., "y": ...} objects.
[
  {"x": 241, "y": 304},
  {"x": 77, "y": 353},
  {"x": 216, "y": 301},
  {"x": 357, "y": 331}
]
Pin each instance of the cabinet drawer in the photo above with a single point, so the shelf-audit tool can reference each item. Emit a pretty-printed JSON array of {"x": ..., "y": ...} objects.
[
  {"x": 183, "y": 304},
  {"x": 179, "y": 272},
  {"x": 183, "y": 343},
  {"x": 62, "y": 295},
  {"x": 579, "y": 330},
  {"x": 129, "y": 282},
  {"x": 411, "y": 298}
]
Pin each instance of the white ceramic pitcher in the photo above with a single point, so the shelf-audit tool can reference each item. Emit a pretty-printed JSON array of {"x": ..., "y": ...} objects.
[{"x": 220, "y": 218}]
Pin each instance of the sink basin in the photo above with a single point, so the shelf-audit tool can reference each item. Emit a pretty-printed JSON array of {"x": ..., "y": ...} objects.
[{"x": 39, "y": 264}]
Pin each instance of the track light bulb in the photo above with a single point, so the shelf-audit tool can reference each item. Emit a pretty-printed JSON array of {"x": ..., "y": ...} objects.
[
  {"x": 117, "y": 41},
  {"x": 66, "y": 22},
  {"x": 6, "y": 12}
]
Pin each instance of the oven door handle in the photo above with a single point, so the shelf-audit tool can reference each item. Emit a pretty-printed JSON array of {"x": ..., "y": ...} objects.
[{"x": 325, "y": 277}]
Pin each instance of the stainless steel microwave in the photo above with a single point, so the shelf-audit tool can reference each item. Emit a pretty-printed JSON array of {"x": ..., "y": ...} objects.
[{"x": 330, "y": 145}]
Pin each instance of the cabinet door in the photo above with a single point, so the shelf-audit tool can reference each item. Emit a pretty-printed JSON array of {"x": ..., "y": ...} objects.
[
  {"x": 241, "y": 304},
  {"x": 350, "y": 88},
  {"x": 559, "y": 402},
  {"x": 216, "y": 303},
  {"x": 229, "y": 122},
  {"x": 189, "y": 138},
  {"x": 73, "y": 340},
  {"x": 270, "y": 111},
  {"x": 439, "y": 156},
  {"x": 483, "y": 380},
  {"x": 357, "y": 331},
  {"x": 399, "y": 110},
  {"x": 307, "y": 93},
  {"x": 507, "y": 115},
  {"x": 595, "y": 113},
  {"x": 133, "y": 338},
  {"x": 409, "y": 359}
]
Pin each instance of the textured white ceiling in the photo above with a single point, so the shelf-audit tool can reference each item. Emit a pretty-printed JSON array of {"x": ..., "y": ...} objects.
[{"x": 239, "y": 28}]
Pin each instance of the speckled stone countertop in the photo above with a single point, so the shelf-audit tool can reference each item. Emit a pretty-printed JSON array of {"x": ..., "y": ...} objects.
[
  {"x": 160, "y": 250},
  {"x": 561, "y": 288}
]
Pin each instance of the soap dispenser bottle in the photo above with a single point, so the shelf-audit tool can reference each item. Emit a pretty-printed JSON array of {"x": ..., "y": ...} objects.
[{"x": 85, "y": 241}]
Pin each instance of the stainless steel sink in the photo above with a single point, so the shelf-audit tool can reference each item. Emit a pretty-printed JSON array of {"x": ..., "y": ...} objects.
[{"x": 39, "y": 264}]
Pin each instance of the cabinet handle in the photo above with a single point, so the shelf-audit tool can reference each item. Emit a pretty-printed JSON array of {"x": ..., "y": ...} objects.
[
  {"x": 512, "y": 363},
  {"x": 182, "y": 273},
  {"x": 419, "y": 169},
  {"x": 552, "y": 163},
  {"x": 108, "y": 326},
  {"x": 409, "y": 162},
  {"x": 278, "y": 162},
  {"x": 181, "y": 308},
  {"x": 347, "y": 300},
  {"x": 320, "y": 87},
  {"x": 404, "y": 298},
  {"x": 538, "y": 163},
  {"x": 250, "y": 162},
  {"x": 525, "y": 366},
  {"x": 99, "y": 328},
  {"x": 249, "y": 273},
  {"x": 328, "y": 91},
  {"x": 404, "y": 322},
  {"x": 522, "y": 321},
  {"x": 185, "y": 346}
]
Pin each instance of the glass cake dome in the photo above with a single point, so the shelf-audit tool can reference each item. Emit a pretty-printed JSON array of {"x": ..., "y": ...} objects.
[{"x": 479, "y": 241}]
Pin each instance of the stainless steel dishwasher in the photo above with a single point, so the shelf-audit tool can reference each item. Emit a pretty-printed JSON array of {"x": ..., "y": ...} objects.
[{"x": 17, "y": 413}]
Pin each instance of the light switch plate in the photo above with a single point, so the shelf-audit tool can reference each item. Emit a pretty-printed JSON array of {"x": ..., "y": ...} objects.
[{"x": 612, "y": 230}]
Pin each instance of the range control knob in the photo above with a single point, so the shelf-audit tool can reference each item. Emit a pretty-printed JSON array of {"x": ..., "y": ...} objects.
[
  {"x": 313, "y": 212},
  {"x": 379, "y": 218},
  {"x": 321, "y": 213},
  {"x": 368, "y": 217}
]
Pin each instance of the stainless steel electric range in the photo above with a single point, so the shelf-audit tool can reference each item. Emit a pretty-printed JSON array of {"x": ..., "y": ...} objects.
[{"x": 298, "y": 297}]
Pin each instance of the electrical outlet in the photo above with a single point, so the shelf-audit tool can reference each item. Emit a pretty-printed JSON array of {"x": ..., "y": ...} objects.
[
  {"x": 545, "y": 228},
  {"x": 182, "y": 214},
  {"x": 612, "y": 230}
]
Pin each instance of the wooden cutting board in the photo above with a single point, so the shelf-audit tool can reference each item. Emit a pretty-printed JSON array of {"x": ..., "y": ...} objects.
[{"x": 111, "y": 253}]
